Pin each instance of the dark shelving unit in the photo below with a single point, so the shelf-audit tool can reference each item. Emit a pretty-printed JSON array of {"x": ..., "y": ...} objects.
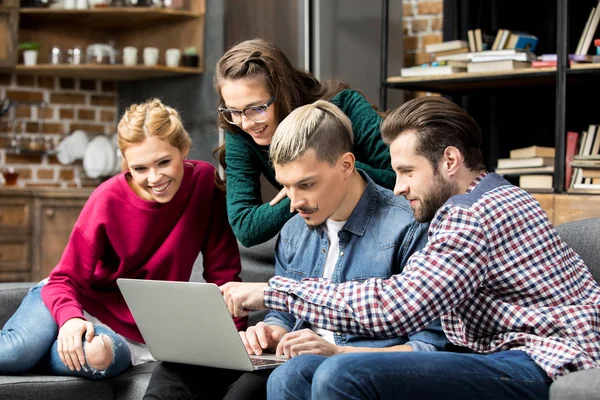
[{"x": 563, "y": 78}]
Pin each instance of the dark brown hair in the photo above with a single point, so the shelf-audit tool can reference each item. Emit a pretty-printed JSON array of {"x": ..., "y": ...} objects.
[
  {"x": 292, "y": 87},
  {"x": 438, "y": 124}
]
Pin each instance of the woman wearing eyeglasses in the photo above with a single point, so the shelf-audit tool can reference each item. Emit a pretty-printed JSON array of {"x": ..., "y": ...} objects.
[{"x": 258, "y": 87}]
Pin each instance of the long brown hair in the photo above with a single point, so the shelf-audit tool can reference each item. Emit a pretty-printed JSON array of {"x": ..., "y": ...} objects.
[{"x": 292, "y": 87}]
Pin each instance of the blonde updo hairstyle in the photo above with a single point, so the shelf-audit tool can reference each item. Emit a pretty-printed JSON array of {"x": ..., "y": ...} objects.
[{"x": 149, "y": 119}]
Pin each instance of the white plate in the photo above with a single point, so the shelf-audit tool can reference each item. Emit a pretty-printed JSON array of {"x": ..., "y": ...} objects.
[
  {"x": 99, "y": 157},
  {"x": 63, "y": 153},
  {"x": 78, "y": 141}
]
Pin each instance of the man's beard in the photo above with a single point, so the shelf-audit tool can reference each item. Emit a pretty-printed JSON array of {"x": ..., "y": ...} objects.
[
  {"x": 312, "y": 210},
  {"x": 316, "y": 226},
  {"x": 440, "y": 192}
]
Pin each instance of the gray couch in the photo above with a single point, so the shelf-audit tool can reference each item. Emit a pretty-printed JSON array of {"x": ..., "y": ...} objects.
[{"x": 257, "y": 264}]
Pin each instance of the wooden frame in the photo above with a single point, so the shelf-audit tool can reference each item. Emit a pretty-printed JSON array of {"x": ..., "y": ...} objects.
[{"x": 9, "y": 27}]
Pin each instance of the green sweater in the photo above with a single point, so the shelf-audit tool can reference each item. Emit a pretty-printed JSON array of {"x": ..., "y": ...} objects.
[{"x": 254, "y": 222}]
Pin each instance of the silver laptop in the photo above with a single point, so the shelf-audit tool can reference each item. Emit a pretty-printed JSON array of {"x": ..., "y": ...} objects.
[{"x": 188, "y": 322}]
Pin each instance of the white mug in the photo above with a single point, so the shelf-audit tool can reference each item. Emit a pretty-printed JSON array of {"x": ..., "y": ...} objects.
[
  {"x": 172, "y": 57},
  {"x": 130, "y": 55},
  {"x": 150, "y": 56}
]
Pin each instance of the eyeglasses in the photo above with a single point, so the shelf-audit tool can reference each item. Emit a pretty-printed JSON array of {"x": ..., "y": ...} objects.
[{"x": 255, "y": 113}]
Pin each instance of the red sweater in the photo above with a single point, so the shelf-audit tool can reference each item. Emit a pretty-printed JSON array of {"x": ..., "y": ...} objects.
[{"x": 120, "y": 235}]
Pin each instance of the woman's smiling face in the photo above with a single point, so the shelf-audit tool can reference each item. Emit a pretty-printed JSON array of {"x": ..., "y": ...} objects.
[
  {"x": 156, "y": 169},
  {"x": 240, "y": 94}
]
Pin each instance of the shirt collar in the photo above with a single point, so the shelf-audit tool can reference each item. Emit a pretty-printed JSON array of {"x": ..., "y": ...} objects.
[
  {"x": 476, "y": 181},
  {"x": 360, "y": 216}
]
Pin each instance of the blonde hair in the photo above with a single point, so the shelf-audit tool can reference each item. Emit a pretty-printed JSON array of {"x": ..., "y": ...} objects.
[
  {"x": 151, "y": 119},
  {"x": 321, "y": 126}
]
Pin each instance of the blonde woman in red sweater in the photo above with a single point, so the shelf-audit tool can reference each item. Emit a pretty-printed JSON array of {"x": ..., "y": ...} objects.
[{"x": 149, "y": 222}]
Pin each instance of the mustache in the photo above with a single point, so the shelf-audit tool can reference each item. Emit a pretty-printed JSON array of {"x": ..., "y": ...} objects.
[{"x": 306, "y": 210}]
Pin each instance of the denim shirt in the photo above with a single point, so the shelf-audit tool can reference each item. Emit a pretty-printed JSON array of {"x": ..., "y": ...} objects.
[{"x": 376, "y": 241}]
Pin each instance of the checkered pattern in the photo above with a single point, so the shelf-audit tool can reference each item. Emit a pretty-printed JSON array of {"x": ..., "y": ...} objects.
[{"x": 494, "y": 269}]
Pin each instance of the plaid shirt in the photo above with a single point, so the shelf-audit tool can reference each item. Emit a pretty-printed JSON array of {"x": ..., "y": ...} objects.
[{"x": 494, "y": 269}]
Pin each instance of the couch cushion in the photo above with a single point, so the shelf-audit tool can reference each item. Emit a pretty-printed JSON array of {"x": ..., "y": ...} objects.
[
  {"x": 129, "y": 385},
  {"x": 11, "y": 295},
  {"x": 582, "y": 385},
  {"x": 584, "y": 237}
]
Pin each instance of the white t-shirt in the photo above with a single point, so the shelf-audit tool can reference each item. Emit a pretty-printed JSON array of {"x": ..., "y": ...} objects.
[{"x": 332, "y": 229}]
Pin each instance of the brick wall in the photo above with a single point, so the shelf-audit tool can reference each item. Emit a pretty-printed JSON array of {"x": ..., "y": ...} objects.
[
  {"x": 69, "y": 104},
  {"x": 422, "y": 25}
]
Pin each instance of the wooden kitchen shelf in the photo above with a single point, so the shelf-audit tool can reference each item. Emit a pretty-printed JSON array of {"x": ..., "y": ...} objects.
[
  {"x": 105, "y": 18},
  {"x": 116, "y": 72}
]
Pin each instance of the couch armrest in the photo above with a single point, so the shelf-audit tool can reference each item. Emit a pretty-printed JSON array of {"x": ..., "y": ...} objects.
[
  {"x": 11, "y": 295},
  {"x": 580, "y": 385}
]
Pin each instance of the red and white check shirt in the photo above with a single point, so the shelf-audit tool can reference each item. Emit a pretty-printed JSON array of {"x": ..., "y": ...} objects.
[{"x": 494, "y": 269}]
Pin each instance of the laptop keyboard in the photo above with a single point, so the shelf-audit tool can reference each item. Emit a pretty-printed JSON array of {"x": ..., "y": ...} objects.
[{"x": 263, "y": 361}]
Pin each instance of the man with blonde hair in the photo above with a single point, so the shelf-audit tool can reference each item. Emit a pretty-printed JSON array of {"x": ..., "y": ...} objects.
[
  {"x": 341, "y": 232},
  {"x": 518, "y": 300}
]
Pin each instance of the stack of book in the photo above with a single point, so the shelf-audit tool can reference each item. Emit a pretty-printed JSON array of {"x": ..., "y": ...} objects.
[
  {"x": 551, "y": 60},
  {"x": 585, "y": 160},
  {"x": 450, "y": 48},
  {"x": 534, "y": 165},
  {"x": 500, "y": 60}
]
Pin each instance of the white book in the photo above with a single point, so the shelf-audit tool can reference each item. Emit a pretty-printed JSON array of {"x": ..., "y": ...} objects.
[
  {"x": 495, "y": 66},
  {"x": 536, "y": 181},
  {"x": 589, "y": 35},
  {"x": 586, "y": 186},
  {"x": 585, "y": 29},
  {"x": 589, "y": 141},
  {"x": 525, "y": 162},
  {"x": 455, "y": 57},
  {"x": 523, "y": 56},
  {"x": 446, "y": 46},
  {"x": 431, "y": 71}
]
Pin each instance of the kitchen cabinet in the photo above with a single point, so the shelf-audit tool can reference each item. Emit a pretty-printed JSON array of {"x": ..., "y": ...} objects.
[
  {"x": 9, "y": 26},
  {"x": 35, "y": 225},
  {"x": 140, "y": 27}
]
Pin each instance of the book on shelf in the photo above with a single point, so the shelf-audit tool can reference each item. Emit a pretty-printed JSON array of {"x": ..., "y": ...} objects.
[
  {"x": 478, "y": 40},
  {"x": 571, "y": 146},
  {"x": 585, "y": 158},
  {"x": 453, "y": 63},
  {"x": 589, "y": 141},
  {"x": 593, "y": 173},
  {"x": 431, "y": 71},
  {"x": 504, "y": 163},
  {"x": 471, "y": 40},
  {"x": 438, "y": 54},
  {"x": 586, "y": 186},
  {"x": 521, "y": 41},
  {"x": 585, "y": 163},
  {"x": 454, "y": 57},
  {"x": 496, "y": 66},
  {"x": 501, "y": 39},
  {"x": 589, "y": 30},
  {"x": 549, "y": 64},
  {"x": 525, "y": 171},
  {"x": 532, "y": 151},
  {"x": 572, "y": 57},
  {"x": 446, "y": 46},
  {"x": 536, "y": 181},
  {"x": 486, "y": 56}
]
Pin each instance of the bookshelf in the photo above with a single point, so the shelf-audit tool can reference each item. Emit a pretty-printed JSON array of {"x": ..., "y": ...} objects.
[{"x": 562, "y": 93}]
